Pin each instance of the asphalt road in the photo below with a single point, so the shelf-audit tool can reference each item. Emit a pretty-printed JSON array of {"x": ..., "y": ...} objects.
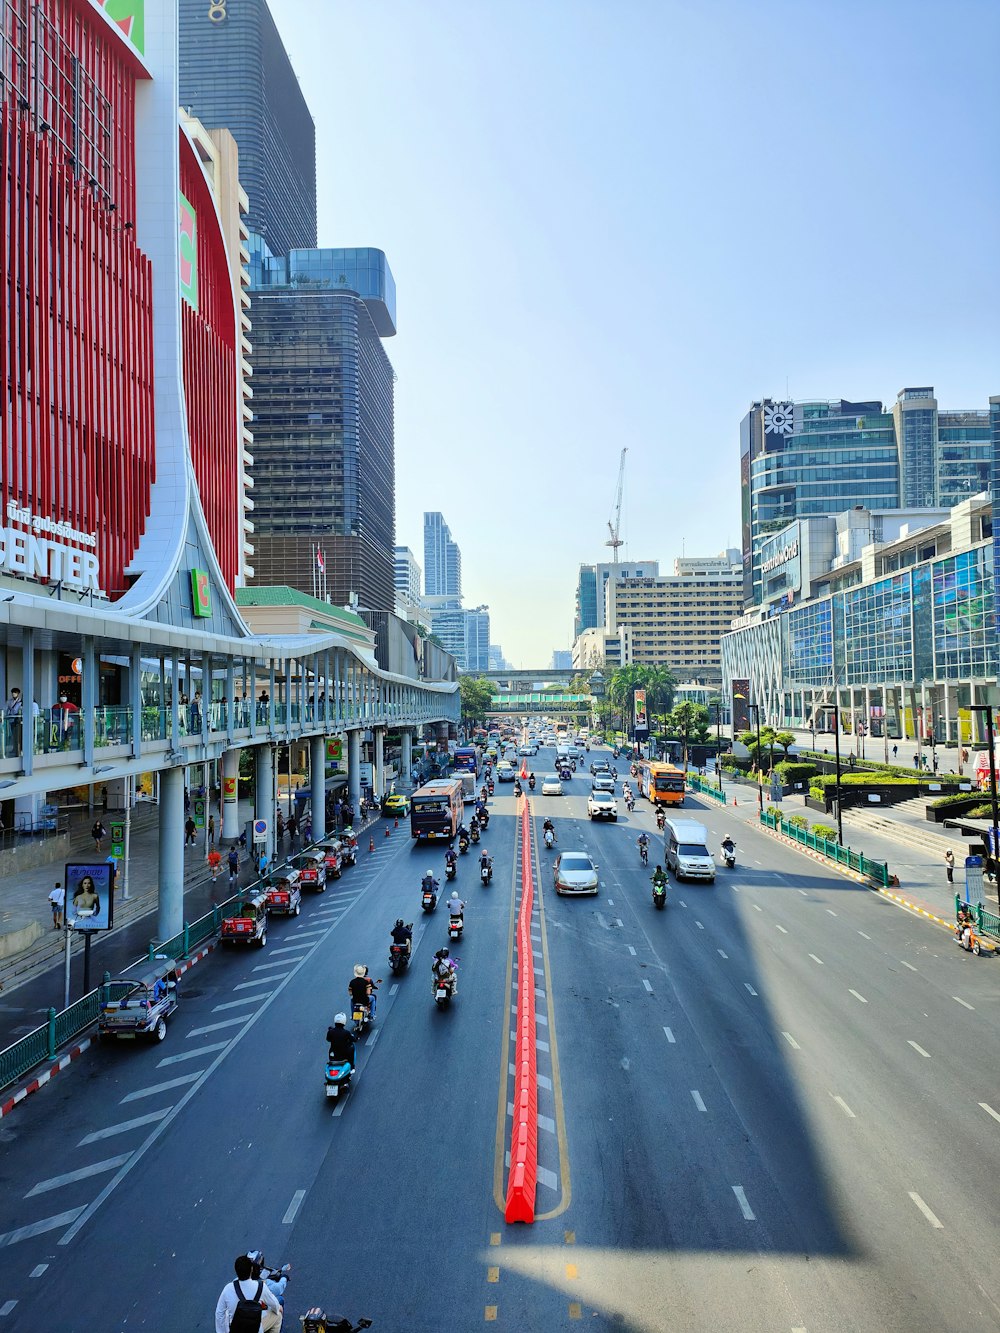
[{"x": 773, "y": 1105}]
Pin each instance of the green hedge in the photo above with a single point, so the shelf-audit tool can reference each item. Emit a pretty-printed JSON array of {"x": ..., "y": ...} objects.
[
  {"x": 825, "y": 832},
  {"x": 797, "y": 821},
  {"x": 828, "y": 780},
  {"x": 874, "y": 766},
  {"x": 790, "y": 771},
  {"x": 943, "y": 801}
]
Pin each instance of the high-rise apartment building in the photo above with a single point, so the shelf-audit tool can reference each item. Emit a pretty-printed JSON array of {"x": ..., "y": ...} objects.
[
  {"x": 477, "y": 639},
  {"x": 442, "y": 559},
  {"x": 235, "y": 73},
  {"x": 591, "y": 589},
  {"x": 801, "y": 459},
  {"x": 678, "y": 620},
  {"x": 324, "y": 456},
  {"x": 406, "y": 575}
]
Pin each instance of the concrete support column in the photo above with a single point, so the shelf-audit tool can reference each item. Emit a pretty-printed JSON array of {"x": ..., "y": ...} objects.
[
  {"x": 230, "y": 794},
  {"x": 170, "y": 910},
  {"x": 406, "y": 755},
  {"x": 354, "y": 767},
  {"x": 378, "y": 776},
  {"x": 317, "y": 774},
  {"x": 264, "y": 805}
]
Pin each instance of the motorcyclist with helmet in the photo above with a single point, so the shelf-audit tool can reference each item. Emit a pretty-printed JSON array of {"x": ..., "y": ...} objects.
[
  {"x": 402, "y": 934},
  {"x": 450, "y": 858},
  {"x": 485, "y": 861},
  {"x": 341, "y": 1040},
  {"x": 443, "y": 969},
  {"x": 429, "y": 884},
  {"x": 455, "y": 905},
  {"x": 474, "y": 824},
  {"x": 362, "y": 989},
  {"x": 658, "y": 879},
  {"x": 549, "y": 827}
]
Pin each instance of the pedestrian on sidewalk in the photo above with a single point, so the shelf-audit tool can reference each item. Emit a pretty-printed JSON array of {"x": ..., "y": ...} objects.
[
  {"x": 234, "y": 866},
  {"x": 214, "y": 863},
  {"x": 949, "y": 865},
  {"x": 98, "y": 833},
  {"x": 211, "y": 830},
  {"x": 57, "y": 898},
  {"x": 190, "y": 830},
  {"x": 293, "y": 827},
  {"x": 895, "y": 751},
  {"x": 187, "y": 801},
  {"x": 280, "y": 827}
]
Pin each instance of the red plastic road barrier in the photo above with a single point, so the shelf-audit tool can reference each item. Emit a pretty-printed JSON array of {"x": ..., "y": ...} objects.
[
  {"x": 523, "y": 1177},
  {"x": 524, "y": 769}
]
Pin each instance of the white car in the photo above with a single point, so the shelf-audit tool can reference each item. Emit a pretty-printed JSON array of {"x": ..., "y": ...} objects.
[
  {"x": 528, "y": 749},
  {"x": 505, "y": 771},
  {"x": 602, "y": 805},
  {"x": 603, "y": 782},
  {"x": 551, "y": 786}
]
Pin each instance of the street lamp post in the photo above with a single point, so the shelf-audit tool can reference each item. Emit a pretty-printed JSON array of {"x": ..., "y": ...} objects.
[
  {"x": 756, "y": 709},
  {"x": 718, "y": 743},
  {"x": 988, "y": 710},
  {"x": 836, "y": 751}
]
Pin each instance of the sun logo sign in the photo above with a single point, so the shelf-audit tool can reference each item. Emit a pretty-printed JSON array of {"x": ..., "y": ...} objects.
[{"x": 779, "y": 419}]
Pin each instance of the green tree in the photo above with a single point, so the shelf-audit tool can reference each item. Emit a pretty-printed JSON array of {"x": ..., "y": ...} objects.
[
  {"x": 786, "y": 739},
  {"x": 476, "y": 694},
  {"x": 768, "y": 740},
  {"x": 689, "y": 721}
]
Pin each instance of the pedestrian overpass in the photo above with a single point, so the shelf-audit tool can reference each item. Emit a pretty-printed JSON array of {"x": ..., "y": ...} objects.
[{"x": 552, "y": 703}]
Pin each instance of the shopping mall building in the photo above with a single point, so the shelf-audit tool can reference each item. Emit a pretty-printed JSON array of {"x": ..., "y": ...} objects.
[{"x": 125, "y": 451}]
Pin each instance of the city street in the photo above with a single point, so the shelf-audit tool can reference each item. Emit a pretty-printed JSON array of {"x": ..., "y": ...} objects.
[{"x": 773, "y": 1105}]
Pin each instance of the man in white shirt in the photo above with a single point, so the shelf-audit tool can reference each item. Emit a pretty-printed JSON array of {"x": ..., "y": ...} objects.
[
  {"x": 248, "y": 1288},
  {"x": 456, "y": 907}
]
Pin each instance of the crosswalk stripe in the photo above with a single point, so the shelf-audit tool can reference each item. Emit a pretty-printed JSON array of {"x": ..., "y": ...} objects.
[
  {"x": 40, "y": 1228},
  {"x": 82, "y": 1173},
  {"x": 179, "y": 1082},
  {"x": 123, "y": 1127}
]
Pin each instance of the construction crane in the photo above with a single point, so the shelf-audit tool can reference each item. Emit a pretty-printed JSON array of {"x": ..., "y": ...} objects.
[{"x": 614, "y": 541}]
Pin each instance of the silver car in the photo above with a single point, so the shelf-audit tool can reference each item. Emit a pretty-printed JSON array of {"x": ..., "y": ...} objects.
[{"x": 575, "y": 872}]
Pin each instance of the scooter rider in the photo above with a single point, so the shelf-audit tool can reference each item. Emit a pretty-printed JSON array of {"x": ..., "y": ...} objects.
[
  {"x": 658, "y": 879},
  {"x": 402, "y": 934},
  {"x": 484, "y": 819},
  {"x": 341, "y": 1040},
  {"x": 362, "y": 989},
  {"x": 485, "y": 861},
  {"x": 549, "y": 827},
  {"x": 728, "y": 846},
  {"x": 531, "y": 781},
  {"x": 429, "y": 884},
  {"x": 965, "y": 923},
  {"x": 642, "y": 842},
  {"x": 443, "y": 969},
  {"x": 456, "y": 907},
  {"x": 474, "y": 824},
  {"x": 450, "y": 859},
  {"x": 661, "y": 817},
  {"x": 462, "y": 832}
]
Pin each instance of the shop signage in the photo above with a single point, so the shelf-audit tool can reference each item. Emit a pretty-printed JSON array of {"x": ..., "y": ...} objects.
[
  {"x": 31, "y": 552},
  {"x": 781, "y": 557},
  {"x": 201, "y": 592}
]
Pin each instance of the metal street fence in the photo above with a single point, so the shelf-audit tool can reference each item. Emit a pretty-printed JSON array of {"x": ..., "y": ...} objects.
[
  {"x": 876, "y": 871},
  {"x": 985, "y": 921},
  {"x": 705, "y": 788}
]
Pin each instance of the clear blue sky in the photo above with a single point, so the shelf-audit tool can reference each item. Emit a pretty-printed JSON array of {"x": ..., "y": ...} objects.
[{"x": 617, "y": 222}]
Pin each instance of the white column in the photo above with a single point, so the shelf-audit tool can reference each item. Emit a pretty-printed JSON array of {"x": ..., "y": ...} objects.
[
  {"x": 354, "y": 767},
  {"x": 317, "y": 774},
  {"x": 378, "y": 777},
  {"x": 230, "y": 794},
  {"x": 170, "y": 908},
  {"x": 264, "y": 804}
]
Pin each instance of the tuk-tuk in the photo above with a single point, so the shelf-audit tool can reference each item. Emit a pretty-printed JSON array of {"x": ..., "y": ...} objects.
[
  {"x": 133, "y": 1007},
  {"x": 349, "y": 847},
  {"x": 331, "y": 864},
  {"x": 284, "y": 897},
  {"x": 309, "y": 868},
  {"x": 246, "y": 921}
]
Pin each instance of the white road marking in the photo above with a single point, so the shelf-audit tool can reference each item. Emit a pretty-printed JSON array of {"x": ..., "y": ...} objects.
[
  {"x": 749, "y": 988},
  {"x": 544, "y": 1082},
  {"x": 7, "y": 1307},
  {"x": 271, "y": 967},
  {"x": 539, "y": 1018},
  {"x": 339, "y": 1108},
  {"x": 611, "y": 902},
  {"x": 309, "y": 934},
  {"x": 682, "y": 902},
  {"x": 857, "y": 996},
  {"x": 631, "y": 951},
  {"x": 293, "y": 1207},
  {"x": 803, "y": 892},
  {"x": 919, "y": 1050},
  {"x": 756, "y": 907},
  {"x": 722, "y": 954},
  {"x": 791, "y": 1041},
  {"x": 925, "y": 1210},
  {"x": 289, "y": 948},
  {"x": 81, "y": 1173},
  {"x": 735, "y": 888},
  {"x": 647, "y": 985},
  {"x": 831, "y": 911},
  {"x": 373, "y": 1037},
  {"x": 547, "y": 1178},
  {"x": 671, "y": 1038},
  {"x": 216, "y": 1027},
  {"x": 909, "y": 965},
  {"x": 964, "y": 1003},
  {"x": 253, "y": 985},
  {"x": 541, "y": 1045},
  {"x": 544, "y": 1122},
  {"x": 781, "y": 928},
  {"x": 235, "y": 1004},
  {"x": 619, "y": 923},
  {"x": 40, "y": 1228},
  {"x": 863, "y": 935},
  {"x": 191, "y": 1055},
  {"x": 123, "y": 1127},
  {"x": 394, "y": 988},
  {"x": 38, "y": 1270},
  {"x": 698, "y": 1100},
  {"x": 745, "y": 1208},
  {"x": 844, "y": 1107},
  {"x": 700, "y": 925},
  {"x": 817, "y": 960},
  {"x": 990, "y": 1111},
  {"x": 152, "y": 1091}
]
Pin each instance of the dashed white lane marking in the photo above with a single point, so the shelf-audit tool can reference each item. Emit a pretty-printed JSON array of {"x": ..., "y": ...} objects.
[
  {"x": 756, "y": 907},
  {"x": 293, "y": 1207},
  {"x": 857, "y": 996},
  {"x": 791, "y": 1041},
  {"x": 544, "y": 1081},
  {"x": 236, "y": 1004},
  {"x": 631, "y": 951},
  {"x": 803, "y": 892},
  {"x": 647, "y": 985},
  {"x": 123, "y": 1127},
  {"x": 191, "y": 1055},
  {"x": 745, "y": 1208},
  {"x": 934, "y": 1221},
  {"x": 817, "y": 960},
  {"x": 40, "y": 1228},
  {"x": 909, "y": 965},
  {"x": 964, "y": 1003},
  {"x": 82, "y": 1173},
  {"x": 682, "y": 902},
  {"x": 619, "y": 923},
  {"x": 217, "y": 1027},
  {"x": 611, "y": 902},
  {"x": 844, "y": 1107},
  {"x": 152, "y": 1091},
  {"x": 373, "y": 1037},
  {"x": 38, "y": 1270},
  {"x": 544, "y": 1122},
  {"x": 722, "y": 954},
  {"x": 831, "y": 911},
  {"x": 670, "y": 1037},
  {"x": 781, "y": 928},
  {"x": 990, "y": 1111},
  {"x": 394, "y": 988},
  {"x": 700, "y": 925},
  {"x": 339, "y": 1108},
  {"x": 919, "y": 1050},
  {"x": 863, "y": 935},
  {"x": 7, "y": 1308},
  {"x": 547, "y": 1178},
  {"x": 749, "y": 988},
  {"x": 696, "y": 1095}
]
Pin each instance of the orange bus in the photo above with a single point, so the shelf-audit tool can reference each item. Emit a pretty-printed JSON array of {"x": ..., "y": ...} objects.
[
  {"x": 436, "y": 809},
  {"x": 662, "y": 783}
]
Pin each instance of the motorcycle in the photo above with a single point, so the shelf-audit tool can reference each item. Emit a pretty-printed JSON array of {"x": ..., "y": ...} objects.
[
  {"x": 475, "y": 835},
  {"x": 729, "y": 857},
  {"x": 429, "y": 899},
  {"x": 517, "y": 789},
  {"x": 659, "y": 893},
  {"x": 316, "y": 1321},
  {"x": 486, "y": 873},
  {"x": 643, "y": 853},
  {"x": 489, "y": 786},
  {"x": 550, "y": 839},
  {"x": 661, "y": 820},
  {"x": 450, "y": 869},
  {"x": 463, "y": 844},
  {"x": 456, "y": 925},
  {"x": 615, "y": 752},
  {"x": 975, "y": 944},
  {"x": 630, "y": 803},
  {"x": 399, "y": 957},
  {"x": 484, "y": 819},
  {"x": 444, "y": 989},
  {"x": 362, "y": 1015},
  {"x": 338, "y": 1077},
  {"x": 531, "y": 782}
]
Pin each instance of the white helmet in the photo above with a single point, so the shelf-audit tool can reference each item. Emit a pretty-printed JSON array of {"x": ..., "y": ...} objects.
[
  {"x": 339, "y": 1020},
  {"x": 360, "y": 969}
]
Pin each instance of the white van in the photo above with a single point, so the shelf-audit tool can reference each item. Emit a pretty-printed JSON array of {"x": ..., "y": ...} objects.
[{"x": 685, "y": 850}]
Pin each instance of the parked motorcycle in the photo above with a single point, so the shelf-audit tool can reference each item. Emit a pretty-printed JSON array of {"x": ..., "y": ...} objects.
[
  {"x": 455, "y": 927},
  {"x": 316, "y": 1321},
  {"x": 338, "y": 1077}
]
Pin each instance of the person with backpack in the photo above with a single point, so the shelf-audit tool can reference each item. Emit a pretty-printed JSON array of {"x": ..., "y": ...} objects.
[{"x": 247, "y": 1305}]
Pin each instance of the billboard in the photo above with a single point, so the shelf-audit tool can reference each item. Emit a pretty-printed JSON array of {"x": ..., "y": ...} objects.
[
  {"x": 741, "y": 710},
  {"x": 640, "y": 718},
  {"x": 89, "y": 900}
]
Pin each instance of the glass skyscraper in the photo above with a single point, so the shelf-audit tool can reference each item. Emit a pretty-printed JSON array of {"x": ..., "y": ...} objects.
[
  {"x": 235, "y": 73},
  {"x": 442, "y": 559}
]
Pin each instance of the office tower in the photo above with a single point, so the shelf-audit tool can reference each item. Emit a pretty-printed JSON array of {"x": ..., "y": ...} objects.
[
  {"x": 324, "y": 459},
  {"x": 591, "y": 589},
  {"x": 235, "y": 73},
  {"x": 477, "y": 639},
  {"x": 442, "y": 559},
  {"x": 406, "y": 573}
]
